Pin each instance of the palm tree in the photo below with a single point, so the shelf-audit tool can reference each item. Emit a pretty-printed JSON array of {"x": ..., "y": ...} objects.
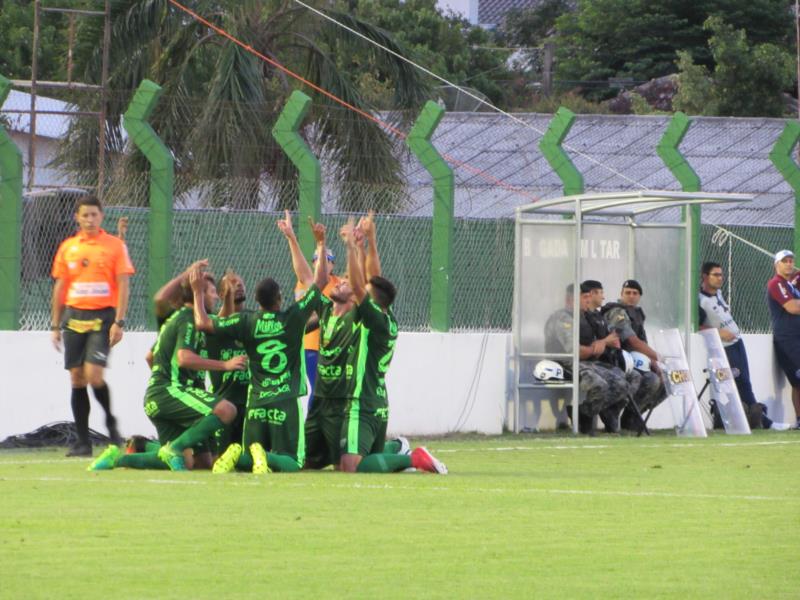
[{"x": 220, "y": 101}]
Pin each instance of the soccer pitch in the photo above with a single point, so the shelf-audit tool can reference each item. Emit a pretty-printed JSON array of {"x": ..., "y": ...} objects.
[{"x": 517, "y": 517}]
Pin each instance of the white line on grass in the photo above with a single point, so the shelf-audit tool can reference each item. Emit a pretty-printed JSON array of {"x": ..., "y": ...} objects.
[
  {"x": 244, "y": 480},
  {"x": 578, "y": 445}
]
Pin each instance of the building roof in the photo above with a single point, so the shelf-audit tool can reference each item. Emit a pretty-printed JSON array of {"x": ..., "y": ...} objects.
[
  {"x": 498, "y": 165},
  {"x": 47, "y": 125},
  {"x": 492, "y": 13}
]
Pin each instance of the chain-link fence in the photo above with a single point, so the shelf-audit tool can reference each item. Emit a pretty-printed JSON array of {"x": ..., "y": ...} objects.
[
  {"x": 745, "y": 254},
  {"x": 229, "y": 187}
]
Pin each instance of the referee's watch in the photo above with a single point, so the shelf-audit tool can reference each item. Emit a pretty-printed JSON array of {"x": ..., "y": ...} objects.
[{"x": 120, "y": 323}]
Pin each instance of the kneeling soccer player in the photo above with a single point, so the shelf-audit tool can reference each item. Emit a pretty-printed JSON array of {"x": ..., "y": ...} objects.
[
  {"x": 184, "y": 414},
  {"x": 366, "y": 418},
  {"x": 273, "y": 429}
]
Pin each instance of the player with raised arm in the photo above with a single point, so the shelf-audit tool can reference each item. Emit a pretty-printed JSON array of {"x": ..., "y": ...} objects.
[
  {"x": 184, "y": 414},
  {"x": 273, "y": 429},
  {"x": 367, "y": 412}
]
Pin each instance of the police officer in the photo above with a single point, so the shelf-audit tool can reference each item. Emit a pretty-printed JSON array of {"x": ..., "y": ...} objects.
[
  {"x": 627, "y": 318},
  {"x": 607, "y": 354}
]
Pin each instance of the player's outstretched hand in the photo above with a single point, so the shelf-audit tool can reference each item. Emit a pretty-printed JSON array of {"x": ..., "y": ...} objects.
[
  {"x": 196, "y": 279},
  {"x": 202, "y": 263},
  {"x": 347, "y": 231},
  {"x": 237, "y": 363},
  {"x": 366, "y": 225},
  {"x": 229, "y": 282},
  {"x": 285, "y": 225},
  {"x": 318, "y": 229}
]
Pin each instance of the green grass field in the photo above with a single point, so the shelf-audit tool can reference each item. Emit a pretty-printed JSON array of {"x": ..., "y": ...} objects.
[{"x": 518, "y": 517}]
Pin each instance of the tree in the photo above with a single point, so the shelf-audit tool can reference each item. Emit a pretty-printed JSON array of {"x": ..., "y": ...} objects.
[
  {"x": 221, "y": 101},
  {"x": 444, "y": 44},
  {"x": 16, "y": 42},
  {"x": 638, "y": 39},
  {"x": 747, "y": 80}
]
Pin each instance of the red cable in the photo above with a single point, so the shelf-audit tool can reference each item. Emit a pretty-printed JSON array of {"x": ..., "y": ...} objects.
[{"x": 344, "y": 103}]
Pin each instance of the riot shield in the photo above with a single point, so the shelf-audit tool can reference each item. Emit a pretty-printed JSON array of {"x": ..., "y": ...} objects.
[
  {"x": 682, "y": 396},
  {"x": 723, "y": 386}
]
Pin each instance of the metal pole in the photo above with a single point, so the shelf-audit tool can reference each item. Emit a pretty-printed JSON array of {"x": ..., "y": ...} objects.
[
  {"x": 101, "y": 155},
  {"x": 70, "y": 47},
  {"x": 576, "y": 314},
  {"x": 34, "y": 74}
]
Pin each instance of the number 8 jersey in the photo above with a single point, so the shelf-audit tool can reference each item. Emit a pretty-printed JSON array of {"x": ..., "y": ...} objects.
[{"x": 274, "y": 345}]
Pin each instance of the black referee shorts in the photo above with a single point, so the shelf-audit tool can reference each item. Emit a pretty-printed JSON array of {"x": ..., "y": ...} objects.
[{"x": 85, "y": 335}]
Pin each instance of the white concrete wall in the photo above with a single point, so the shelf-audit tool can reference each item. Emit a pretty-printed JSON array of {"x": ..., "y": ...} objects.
[{"x": 438, "y": 383}]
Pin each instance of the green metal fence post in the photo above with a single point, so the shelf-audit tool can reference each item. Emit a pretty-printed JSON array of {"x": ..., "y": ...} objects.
[
  {"x": 550, "y": 145},
  {"x": 671, "y": 156},
  {"x": 162, "y": 182},
  {"x": 781, "y": 157},
  {"x": 10, "y": 222},
  {"x": 310, "y": 184},
  {"x": 418, "y": 141}
]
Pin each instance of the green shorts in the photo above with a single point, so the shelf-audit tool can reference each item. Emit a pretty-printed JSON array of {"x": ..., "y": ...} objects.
[
  {"x": 278, "y": 427},
  {"x": 174, "y": 409},
  {"x": 323, "y": 432},
  {"x": 363, "y": 431}
]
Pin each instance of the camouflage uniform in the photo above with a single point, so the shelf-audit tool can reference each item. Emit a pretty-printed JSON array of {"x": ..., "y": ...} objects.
[
  {"x": 602, "y": 385},
  {"x": 628, "y": 321}
]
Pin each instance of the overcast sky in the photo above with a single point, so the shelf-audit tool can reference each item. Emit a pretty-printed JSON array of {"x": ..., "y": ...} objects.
[{"x": 461, "y": 6}]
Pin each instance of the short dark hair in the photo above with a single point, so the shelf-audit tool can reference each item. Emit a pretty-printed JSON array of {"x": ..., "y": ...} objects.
[
  {"x": 88, "y": 200},
  {"x": 268, "y": 293},
  {"x": 589, "y": 285},
  {"x": 708, "y": 265},
  {"x": 187, "y": 294},
  {"x": 383, "y": 291}
]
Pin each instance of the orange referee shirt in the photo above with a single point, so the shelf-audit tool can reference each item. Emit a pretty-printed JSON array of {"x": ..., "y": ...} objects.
[
  {"x": 89, "y": 267},
  {"x": 311, "y": 339}
]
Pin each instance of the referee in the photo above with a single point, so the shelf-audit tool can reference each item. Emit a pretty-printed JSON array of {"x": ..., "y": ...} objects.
[{"x": 90, "y": 299}]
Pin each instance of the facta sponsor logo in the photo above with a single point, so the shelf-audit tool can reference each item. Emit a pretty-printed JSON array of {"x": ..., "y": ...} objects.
[
  {"x": 268, "y": 327},
  {"x": 273, "y": 415},
  {"x": 331, "y": 371},
  {"x": 382, "y": 413}
]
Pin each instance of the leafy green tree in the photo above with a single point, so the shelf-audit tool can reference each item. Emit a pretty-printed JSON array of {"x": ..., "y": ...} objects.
[
  {"x": 16, "y": 42},
  {"x": 747, "y": 80},
  {"x": 638, "y": 39},
  {"x": 444, "y": 44},
  {"x": 220, "y": 101}
]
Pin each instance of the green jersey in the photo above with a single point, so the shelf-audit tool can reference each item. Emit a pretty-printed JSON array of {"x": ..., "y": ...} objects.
[
  {"x": 227, "y": 384},
  {"x": 177, "y": 333},
  {"x": 375, "y": 351},
  {"x": 338, "y": 350},
  {"x": 274, "y": 345}
]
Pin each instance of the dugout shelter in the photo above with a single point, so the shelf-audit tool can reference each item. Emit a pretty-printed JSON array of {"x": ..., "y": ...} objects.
[{"x": 609, "y": 237}]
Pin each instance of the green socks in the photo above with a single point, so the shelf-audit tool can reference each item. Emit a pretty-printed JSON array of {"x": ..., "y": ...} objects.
[
  {"x": 142, "y": 460},
  {"x": 384, "y": 463},
  {"x": 199, "y": 432},
  {"x": 391, "y": 447},
  {"x": 281, "y": 462}
]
